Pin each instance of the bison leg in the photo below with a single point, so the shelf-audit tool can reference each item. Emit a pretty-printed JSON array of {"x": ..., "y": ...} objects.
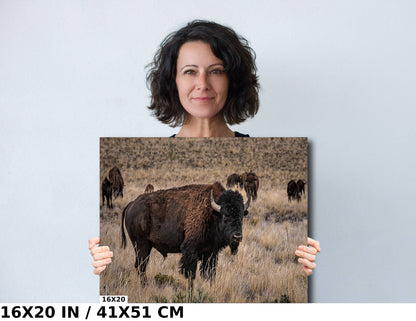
[
  {"x": 209, "y": 266},
  {"x": 142, "y": 258},
  {"x": 189, "y": 261},
  {"x": 188, "y": 264}
]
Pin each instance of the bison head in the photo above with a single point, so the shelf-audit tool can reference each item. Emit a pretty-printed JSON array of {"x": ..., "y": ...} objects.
[{"x": 230, "y": 208}]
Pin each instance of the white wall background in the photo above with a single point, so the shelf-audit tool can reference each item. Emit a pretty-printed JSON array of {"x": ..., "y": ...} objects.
[{"x": 339, "y": 72}]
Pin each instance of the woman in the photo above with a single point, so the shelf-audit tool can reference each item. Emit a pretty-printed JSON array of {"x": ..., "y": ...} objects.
[{"x": 203, "y": 78}]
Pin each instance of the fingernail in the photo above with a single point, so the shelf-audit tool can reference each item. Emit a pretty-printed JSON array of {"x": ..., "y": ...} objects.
[
  {"x": 298, "y": 252},
  {"x": 110, "y": 254}
]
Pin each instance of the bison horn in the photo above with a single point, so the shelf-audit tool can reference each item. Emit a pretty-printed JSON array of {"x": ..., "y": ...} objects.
[
  {"x": 246, "y": 205},
  {"x": 214, "y": 205}
]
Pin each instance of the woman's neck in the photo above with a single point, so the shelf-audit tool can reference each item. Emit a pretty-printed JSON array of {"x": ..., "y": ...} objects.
[{"x": 195, "y": 127}]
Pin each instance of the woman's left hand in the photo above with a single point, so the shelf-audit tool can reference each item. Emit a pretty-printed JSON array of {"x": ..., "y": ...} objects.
[{"x": 307, "y": 255}]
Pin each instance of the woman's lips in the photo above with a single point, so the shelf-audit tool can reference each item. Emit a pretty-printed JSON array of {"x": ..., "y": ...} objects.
[{"x": 203, "y": 99}]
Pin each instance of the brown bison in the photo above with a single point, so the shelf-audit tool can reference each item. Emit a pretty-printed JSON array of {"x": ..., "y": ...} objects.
[
  {"x": 250, "y": 184},
  {"x": 293, "y": 191},
  {"x": 185, "y": 220},
  {"x": 107, "y": 192},
  {"x": 234, "y": 180},
  {"x": 117, "y": 180},
  {"x": 149, "y": 188},
  {"x": 301, "y": 186}
]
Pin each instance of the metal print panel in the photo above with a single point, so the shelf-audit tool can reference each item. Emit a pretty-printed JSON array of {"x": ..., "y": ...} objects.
[{"x": 204, "y": 219}]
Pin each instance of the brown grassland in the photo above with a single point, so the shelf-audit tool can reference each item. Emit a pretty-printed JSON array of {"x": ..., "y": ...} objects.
[{"x": 265, "y": 269}]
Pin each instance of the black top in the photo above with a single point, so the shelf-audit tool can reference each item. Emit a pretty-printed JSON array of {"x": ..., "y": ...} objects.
[{"x": 236, "y": 134}]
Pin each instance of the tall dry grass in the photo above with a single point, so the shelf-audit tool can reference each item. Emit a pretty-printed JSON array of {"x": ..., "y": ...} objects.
[{"x": 265, "y": 269}]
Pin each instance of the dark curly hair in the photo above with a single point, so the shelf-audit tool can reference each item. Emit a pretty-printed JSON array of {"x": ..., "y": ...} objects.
[{"x": 239, "y": 60}]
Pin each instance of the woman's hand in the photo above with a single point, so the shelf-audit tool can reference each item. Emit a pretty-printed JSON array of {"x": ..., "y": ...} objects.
[
  {"x": 307, "y": 255},
  {"x": 101, "y": 254}
]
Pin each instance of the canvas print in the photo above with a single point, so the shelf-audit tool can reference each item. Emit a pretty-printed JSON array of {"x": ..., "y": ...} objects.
[{"x": 204, "y": 219}]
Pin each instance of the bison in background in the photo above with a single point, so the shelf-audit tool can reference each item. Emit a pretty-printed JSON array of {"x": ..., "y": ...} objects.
[
  {"x": 293, "y": 191},
  {"x": 116, "y": 179},
  {"x": 301, "y": 186},
  {"x": 149, "y": 188},
  {"x": 234, "y": 180},
  {"x": 250, "y": 184},
  {"x": 106, "y": 192},
  {"x": 195, "y": 220}
]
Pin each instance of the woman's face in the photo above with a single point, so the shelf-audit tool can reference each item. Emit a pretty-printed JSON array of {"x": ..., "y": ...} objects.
[{"x": 201, "y": 81}]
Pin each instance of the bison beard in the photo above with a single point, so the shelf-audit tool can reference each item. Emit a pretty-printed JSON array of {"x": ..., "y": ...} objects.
[{"x": 185, "y": 220}]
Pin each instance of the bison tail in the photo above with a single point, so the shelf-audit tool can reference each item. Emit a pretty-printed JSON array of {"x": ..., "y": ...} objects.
[{"x": 123, "y": 234}]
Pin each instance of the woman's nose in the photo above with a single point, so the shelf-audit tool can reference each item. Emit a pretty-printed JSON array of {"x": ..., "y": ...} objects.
[{"x": 203, "y": 81}]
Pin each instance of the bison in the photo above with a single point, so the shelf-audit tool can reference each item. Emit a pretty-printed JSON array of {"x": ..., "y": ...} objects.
[
  {"x": 106, "y": 192},
  {"x": 301, "y": 186},
  {"x": 185, "y": 220},
  {"x": 234, "y": 180},
  {"x": 149, "y": 188},
  {"x": 293, "y": 191},
  {"x": 250, "y": 184},
  {"x": 117, "y": 180}
]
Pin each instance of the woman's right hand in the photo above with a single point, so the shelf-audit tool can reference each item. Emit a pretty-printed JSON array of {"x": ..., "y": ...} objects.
[{"x": 101, "y": 254}]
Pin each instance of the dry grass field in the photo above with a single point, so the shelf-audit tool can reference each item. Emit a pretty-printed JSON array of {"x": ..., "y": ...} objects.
[{"x": 265, "y": 269}]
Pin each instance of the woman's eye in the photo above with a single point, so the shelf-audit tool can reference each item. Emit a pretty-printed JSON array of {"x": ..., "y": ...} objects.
[
  {"x": 217, "y": 71},
  {"x": 189, "y": 72}
]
